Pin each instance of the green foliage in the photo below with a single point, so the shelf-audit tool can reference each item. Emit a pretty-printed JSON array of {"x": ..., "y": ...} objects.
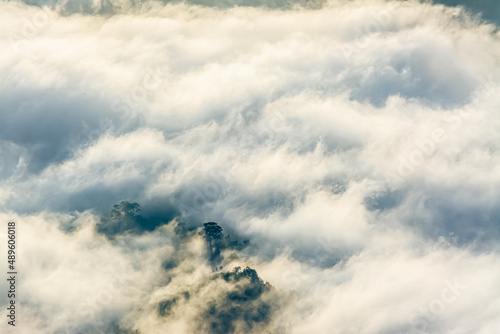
[
  {"x": 212, "y": 231},
  {"x": 217, "y": 242},
  {"x": 237, "y": 274},
  {"x": 242, "y": 305},
  {"x": 213, "y": 235},
  {"x": 125, "y": 217},
  {"x": 246, "y": 303}
]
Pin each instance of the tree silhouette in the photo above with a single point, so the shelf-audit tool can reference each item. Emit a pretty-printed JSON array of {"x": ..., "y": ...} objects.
[
  {"x": 213, "y": 233},
  {"x": 125, "y": 217}
]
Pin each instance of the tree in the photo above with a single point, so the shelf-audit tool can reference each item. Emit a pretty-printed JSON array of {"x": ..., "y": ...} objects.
[
  {"x": 125, "y": 218},
  {"x": 213, "y": 233},
  {"x": 125, "y": 210}
]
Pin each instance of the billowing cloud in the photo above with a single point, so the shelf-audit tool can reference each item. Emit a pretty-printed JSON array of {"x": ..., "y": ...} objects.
[{"x": 354, "y": 143}]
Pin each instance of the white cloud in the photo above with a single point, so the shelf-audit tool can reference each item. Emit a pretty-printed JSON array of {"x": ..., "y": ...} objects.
[{"x": 355, "y": 144}]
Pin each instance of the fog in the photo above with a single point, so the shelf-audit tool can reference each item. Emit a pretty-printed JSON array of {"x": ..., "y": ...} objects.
[{"x": 354, "y": 144}]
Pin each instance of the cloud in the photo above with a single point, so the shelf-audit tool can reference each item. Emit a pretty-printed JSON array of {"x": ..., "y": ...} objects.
[
  {"x": 354, "y": 143},
  {"x": 488, "y": 9}
]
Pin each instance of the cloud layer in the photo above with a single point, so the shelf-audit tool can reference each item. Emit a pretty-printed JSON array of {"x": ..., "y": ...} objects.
[{"x": 355, "y": 143}]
